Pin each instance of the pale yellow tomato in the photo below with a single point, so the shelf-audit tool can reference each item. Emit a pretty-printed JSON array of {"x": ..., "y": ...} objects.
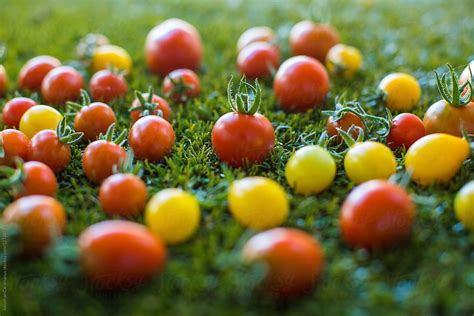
[
  {"x": 38, "y": 118},
  {"x": 464, "y": 205},
  {"x": 106, "y": 56},
  {"x": 258, "y": 202},
  {"x": 402, "y": 91},
  {"x": 343, "y": 60}
]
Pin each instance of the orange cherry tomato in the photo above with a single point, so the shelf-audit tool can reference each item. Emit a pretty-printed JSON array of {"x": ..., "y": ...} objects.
[
  {"x": 14, "y": 110},
  {"x": 38, "y": 179},
  {"x": 107, "y": 86},
  {"x": 151, "y": 138},
  {"x": 255, "y": 34},
  {"x": 118, "y": 254},
  {"x": 93, "y": 120},
  {"x": 33, "y": 72},
  {"x": 442, "y": 117},
  {"x": 161, "y": 103},
  {"x": 99, "y": 159},
  {"x": 347, "y": 121},
  {"x": 293, "y": 258},
  {"x": 406, "y": 129},
  {"x": 314, "y": 40},
  {"x": 62, "y": 84},
  {"x": 172, "y": 45},
  {"x": 301, "y": 83},
  {"x": 15, "y": 145},
  {"x": 258, "y": 60},
  {"x": 41, "y": 219},
  {"x": 123, "y": 194},
  {"x": 376, "y": 214},
  {"x": 47, "y": 148},
  {"x": 181, "y": 85}
]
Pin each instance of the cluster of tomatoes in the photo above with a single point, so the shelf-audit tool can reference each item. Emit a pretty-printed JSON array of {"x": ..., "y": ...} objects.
[{"x": 378, "y": 213}]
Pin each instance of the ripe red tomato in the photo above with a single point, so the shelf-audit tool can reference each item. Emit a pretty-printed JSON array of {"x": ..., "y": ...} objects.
[
  {"x": 117, "y": 254},
  {"x": 41, "y": 219},
  {"x": 406, "y": 129},
  {"x": 181, "y": 85},
  {"x": 294, "y": 260},
  {"x": 47, "y": 148},
  {"x": 3, "y": 81},
  {"x": 376, "y": 214},
  {"x": 258, "y": 60},
  {"x": 14, "y": 110},
  {"x": 171, "y": 45},
  {"x": 255, "y": 34},
  {"x": 151, "y": 138},
  {"x": 93, "y": 120},
  {"x": 99, "y": 159},
  {"x": 62, "y": 84},
  {"x": 33, "y": 72},
  {"x": 347, "y": 121},
  {"x": 123, "y": 194},
  {"x": 314, "y": 40},
  {"x": 38, "y": 179},
  {"x": 106, "y": 86},
  {"x": 300, "y": 84},
  {"x": 15, "y": 145},
  {"x": 157, "y": 104}
]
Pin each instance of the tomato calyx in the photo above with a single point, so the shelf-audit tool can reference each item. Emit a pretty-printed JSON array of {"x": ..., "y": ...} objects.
[
  {"x": 179, "y": 89},
  {"x": 147, "y": 106},
  {"x": 247, "y": 99},
  {"x": 127, "y": 166},
  {"x": 455, "y": 95},
  {"x": 110, "y": 136},
  {"x": 66, "y": 134}
]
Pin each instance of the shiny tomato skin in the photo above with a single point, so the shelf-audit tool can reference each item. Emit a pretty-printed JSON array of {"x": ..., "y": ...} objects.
[
  {"x": 241, "y": 139},
  {"x": 123, "y": 195},
  {"x": 48, "y": 149},
  {"x": 163, "y": 106},
  {"x": 39, "y": 180},
  {"x": 441, "y": 117},
  {"x": 14, "y": 110},
  {"x": 345, "y": 123},
  {"x": 99, "y": 159},
  {"x": 151, "y": 138},
  {"x": 294, "y": 259},
  {"x": 15, "y": 145},
  {"x": 106, "y": 86},
  {"x": 3, "y": 81},
  {"x": 255, "y": 34},
  {"x": 313, "y": 40},
  {"x": 189, "y": 78},
  {"x": 41, "y": 219},
  {"x": 33, "y": 72},
  {"x": 93, "y": 120},
  {"x": 171, "y": 45},
  {"x": 258, "y": 60},
  {"x": 118, "y": 254},
  {"x": 301, "y": 83},
  {"x": 376, "y": 214},
  {"x": 406, "y": 129},
  {"x": 62, "y": 84}
]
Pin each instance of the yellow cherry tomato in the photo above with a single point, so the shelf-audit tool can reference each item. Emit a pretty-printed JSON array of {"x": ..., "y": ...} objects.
[
  {"x": 436, "y": 158},
  {"x": 310, "y": 170},
  {"x": 258, "y": 202},
  {"x": 173, "y": 215},
  {"x": 368, "y": 161},
  {"x": 38, "y": 118},
  {"x": 343, "y": 60},
  {"x": 106, "y": 56},
  {"x": 464, "y": 205},
  {"x": 402, "y": 91}
]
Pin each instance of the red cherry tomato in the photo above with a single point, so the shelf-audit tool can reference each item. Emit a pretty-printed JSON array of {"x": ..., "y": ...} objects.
[
  {"x": 406, "y": 129},
  {"x": 41, "y": 219},
  {"x": 181, "y": 85},
  {"x": 47, "y": 148},
  {"x": 151, "y": 138},
  {"x": 39, "y": 179},
  {"x": 33, "y": 72},
  {"x": 62, "y": 84},
  {"x": 294, "y": 260},
  {"x": 347, "y": 121},
  {"x": 314, "y": 40},
  {"x": 117, "y": 254},
  {"x": 15, "y": 145},
  {"x": 123, "y": 194},
  {"x": 14, "y": 110},
  {"x": 255, "y": 34},
  {"x": 172, "y": 45},
  {"x": 376, "y": 214},
  {"x": 161, "y": 103},
  {"x": 3, "y": 81},
  {"x": 258, "y": 60},
  {"x": 99, "y": 159},
  {"x": 301, "y": 83},
  {"x": 93, "y": 120},
  {"x": 106, "y": 86}
]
